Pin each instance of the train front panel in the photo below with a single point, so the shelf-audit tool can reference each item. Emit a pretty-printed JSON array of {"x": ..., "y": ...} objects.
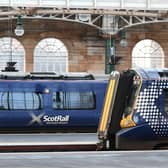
[{"x": 146, "y": 125}]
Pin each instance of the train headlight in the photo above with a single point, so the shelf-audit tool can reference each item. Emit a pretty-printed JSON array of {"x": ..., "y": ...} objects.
[
  {"x": 136, "y": 118},
  {"x": 127, "y": 122}
]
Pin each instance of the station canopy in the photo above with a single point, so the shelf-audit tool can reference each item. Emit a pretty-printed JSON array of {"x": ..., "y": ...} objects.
[{"x": 96, "y": 4}]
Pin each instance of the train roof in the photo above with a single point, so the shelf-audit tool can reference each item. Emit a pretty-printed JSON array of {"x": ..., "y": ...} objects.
[
  {"x": 45, "y": 76},
  {"x": 154, "y": 73},
  {"x": 51, "y": 76}
]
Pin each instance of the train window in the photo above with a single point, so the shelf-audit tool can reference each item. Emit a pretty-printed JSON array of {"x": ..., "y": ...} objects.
[
  {"x": 73, "y": 100},
  {"x": 20, "y": 101},
  {"x": 131, "y": 99},
  {"x": 165, "y": 92}
]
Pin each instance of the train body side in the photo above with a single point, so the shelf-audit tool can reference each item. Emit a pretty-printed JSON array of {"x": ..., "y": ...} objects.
[{"x": 50, "y": 106}]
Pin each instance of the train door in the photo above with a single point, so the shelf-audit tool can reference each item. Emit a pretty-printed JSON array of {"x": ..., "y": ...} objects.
[
  {"x": 123, "y": 104},
  {"x": 121, "y": 93},
  {"x": 162, "y": 131}
]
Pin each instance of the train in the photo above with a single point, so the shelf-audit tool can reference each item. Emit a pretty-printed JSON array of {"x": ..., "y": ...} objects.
[
  {"x": 128, "y": 111},
  {"x": 49, "y": 102},
  {"x": 135, "y": 112}
]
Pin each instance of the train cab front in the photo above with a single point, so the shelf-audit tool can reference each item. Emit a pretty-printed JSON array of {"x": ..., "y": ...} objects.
[{"x": 136, "y": 132}]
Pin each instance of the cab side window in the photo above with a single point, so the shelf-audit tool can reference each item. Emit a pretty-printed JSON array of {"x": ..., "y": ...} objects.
[{"x": 165, "y": 93}]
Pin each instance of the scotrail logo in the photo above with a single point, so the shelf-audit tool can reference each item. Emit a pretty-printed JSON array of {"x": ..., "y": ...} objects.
[
  {"x": 36, "y": 119},
  {"x": 46, "y": 119},
  {"x": 56, "y": 119}
]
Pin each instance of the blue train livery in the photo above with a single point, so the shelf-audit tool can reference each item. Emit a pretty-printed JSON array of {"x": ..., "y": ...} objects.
[
  {"x": 46, "y": 104},
  {"x": 130, "y": 111},
  {"x": 138, "y": 112}
]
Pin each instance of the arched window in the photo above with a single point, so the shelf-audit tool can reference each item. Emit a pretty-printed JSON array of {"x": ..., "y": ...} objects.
[
  {"x": 148, "y": 54},
  {"x": 12, "y": 50},
  {"x": 50, "y": 55}
]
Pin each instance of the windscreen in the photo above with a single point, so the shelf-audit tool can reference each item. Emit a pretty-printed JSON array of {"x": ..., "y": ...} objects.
[{"x": 131, "y": 97}]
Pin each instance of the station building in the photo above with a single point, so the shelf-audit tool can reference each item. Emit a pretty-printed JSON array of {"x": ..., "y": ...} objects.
[{"x": 83, "y": 36}]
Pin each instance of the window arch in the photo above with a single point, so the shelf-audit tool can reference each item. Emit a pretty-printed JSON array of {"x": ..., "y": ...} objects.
[
  {"x": 50, "y": 54},
  {"x": 12, "y": 50},
  {"x": 148, "y": 54}
]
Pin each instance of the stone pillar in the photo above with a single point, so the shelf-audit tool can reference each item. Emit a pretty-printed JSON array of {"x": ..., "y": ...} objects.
[{"x": 29, "y": 45}]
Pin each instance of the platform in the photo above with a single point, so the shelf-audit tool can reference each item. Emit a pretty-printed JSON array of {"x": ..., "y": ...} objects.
[
  {"x": 107, "y": 159},
  {"x": 48, "y": 142}
]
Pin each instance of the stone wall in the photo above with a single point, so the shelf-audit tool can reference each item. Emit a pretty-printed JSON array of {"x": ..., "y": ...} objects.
[
  {"x": 85, "y": 47},
  {"x": 153, "y": 31}
]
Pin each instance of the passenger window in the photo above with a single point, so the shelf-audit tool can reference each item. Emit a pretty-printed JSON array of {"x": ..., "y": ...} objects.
[
  {"x": 73, "y": 100},
  {"x": 165, "y": 92},
  {"x": 20, "y": 101},
  {"x": 3, "y": 100}
]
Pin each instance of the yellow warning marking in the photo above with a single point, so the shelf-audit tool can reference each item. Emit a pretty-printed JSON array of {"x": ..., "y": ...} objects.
[{"x": 108, "y": 101}]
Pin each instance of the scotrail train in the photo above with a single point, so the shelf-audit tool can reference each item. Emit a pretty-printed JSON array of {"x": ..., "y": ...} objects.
[
  {"x": 135, "y": 112},
  {"x": 129, "y": 112},
  {"x": 35, "y": 102}
]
